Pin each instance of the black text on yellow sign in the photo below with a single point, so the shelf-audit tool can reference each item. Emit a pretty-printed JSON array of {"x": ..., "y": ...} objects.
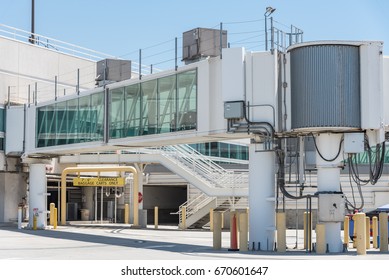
[{"x": 99, "y": 182}]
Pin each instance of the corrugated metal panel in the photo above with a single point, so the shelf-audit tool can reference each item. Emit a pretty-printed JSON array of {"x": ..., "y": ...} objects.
[{"x": 325, "y": 86}]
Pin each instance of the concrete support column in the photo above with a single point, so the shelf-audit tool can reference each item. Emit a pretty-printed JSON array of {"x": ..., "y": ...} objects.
[
  {"x": 328, "y": 180},
  {"x": 261, "y": 198},
  {"x": 89, "y": 201},
  {"x": 37, "y": 195}
]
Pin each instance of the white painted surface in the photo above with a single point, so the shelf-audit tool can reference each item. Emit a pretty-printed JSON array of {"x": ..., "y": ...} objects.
[{"x": 262, "y": 198}]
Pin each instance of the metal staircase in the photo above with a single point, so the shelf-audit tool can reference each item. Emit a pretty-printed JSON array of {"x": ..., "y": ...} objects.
[{"x": 228, "y": 185}]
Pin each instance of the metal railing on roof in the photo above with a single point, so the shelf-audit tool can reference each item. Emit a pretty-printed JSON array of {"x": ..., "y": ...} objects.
[{"x": 51, "y": 43}]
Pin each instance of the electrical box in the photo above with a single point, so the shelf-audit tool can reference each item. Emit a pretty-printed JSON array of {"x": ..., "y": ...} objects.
[
  {"x": 202, "y": 42},
  {"x": 331, "y": 207},
  {"x": 354, "y": 143},
  {"x": 234, "y": 110},
  {"x": 113, "y": 70}
]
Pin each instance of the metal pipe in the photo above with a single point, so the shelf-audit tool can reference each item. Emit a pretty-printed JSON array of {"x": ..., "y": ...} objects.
[
  {"x": 375, "y": 232},
  {"x": 70, "y": 170},
  {"x": 217, "y": 231},
  {"x": 140, "y": 64},
  {"x": 321, "y": 246},
  {"x": 126, "y": 213},
  {"x": 367, "y": 219},
  {"x": 281, "y": 231},
  {"x": 346, "y": 231},
  {"x": 361, "y": 233},
  {"x": 20, "y": 209},
  {"x": 55, "y": 88},
  {"x": 156, "y": 217},
  {"x": 221, "y": 40},
  {"x": 243, "y": 232},
  {"x": 176, "y": 53},
  {"x": 9, "y": 97},
  {"x": 52, "y": 206},
  {"x": 101, "y": 205},
  {"x": 383, "y": 220},
  {"x": 32, "y": 38},
  {"x": 78, "y": 81},
  {"x": 211, "y": 219}
]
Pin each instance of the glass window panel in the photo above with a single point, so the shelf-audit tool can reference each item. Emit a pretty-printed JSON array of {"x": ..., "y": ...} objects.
[
  {"x": 61, "y": 123},
  {"x": 97, "y": 116},
  {"x": 40, "y": 126},
  {"x": 133, "y": 110},
  {"x": 187, "y": 100},
  {"x": 224, "y": 150},
  {"x": 116, "y": 113},
  {"x": 149, "y": 119},
  {"x": 72, "y": 121},
  {"x": 84, "y": 131},
  {"x": 167, "y": 104},
  {"x": 2, "y": 120},
  {"x": 214, "y": 149}
]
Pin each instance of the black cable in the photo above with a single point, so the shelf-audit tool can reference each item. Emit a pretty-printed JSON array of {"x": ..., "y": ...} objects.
[{"x": 328, "y": 160}]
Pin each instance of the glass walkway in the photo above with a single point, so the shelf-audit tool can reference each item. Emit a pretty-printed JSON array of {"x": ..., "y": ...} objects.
[{"x": 161, "y": 105}]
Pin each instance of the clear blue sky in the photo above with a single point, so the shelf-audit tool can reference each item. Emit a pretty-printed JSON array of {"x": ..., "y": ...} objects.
[{"x": 121, "y": 27}]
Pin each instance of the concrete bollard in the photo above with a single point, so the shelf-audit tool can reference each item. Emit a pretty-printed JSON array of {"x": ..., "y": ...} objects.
[
  {"x": 126, "y": 213},
  {"x": 156, "y": 217},
  {"x": 307, "y": 231},
  {"x": 360, "y": 224},
  {"x": 383, "y": 220},
  {"x": 217, "y": 231},
  {"x": 183, "y": 218},
  {"x": 375, "y": 232},
  {"x": 281, "y": 231},
  {"x": 243, "y": 232},
  {"x": 346, "y": 231},
  {"x": 52, "y": 206},
  {"x": 367, "y": 219},
  {"x": 321, "y": 245},
  {"x": 211, "y": 219}
]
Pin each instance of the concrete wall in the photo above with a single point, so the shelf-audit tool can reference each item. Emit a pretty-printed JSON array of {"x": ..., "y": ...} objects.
[
  {"x": 12, "y": 190},
  {"x": 23, "y": 64}
]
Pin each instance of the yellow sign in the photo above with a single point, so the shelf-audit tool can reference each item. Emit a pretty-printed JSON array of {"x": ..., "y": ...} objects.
[{"x": 99, "y": 182}]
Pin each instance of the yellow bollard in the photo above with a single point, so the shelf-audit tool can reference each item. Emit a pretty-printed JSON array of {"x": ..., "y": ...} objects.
[
  {"x": 183, "y": 217},
  {"x": 360, "y": 224},
  {"x": 243, "y": 232},
  {"x": 321, "y": 245},
  {"x": 217, "y": 231},
  {"x": 346, "y": 230},
  {"x": 375, "y": 232},
  {"x": 52, "y": 206},
  {"x": 211, "y": 219},
  {"x": 281, "y": 231},
  {"x": 383, "y": 219},
  {"x": 367, "y": 219},
  {"x": 55, "y": 218},
  {"x": 222, "y": 213},
  {"x": 34, "y": 222},
  {"x": 126, "y": 213},
  {"x": 156, "y": 217},
  {"x": 307, "y": 231}
]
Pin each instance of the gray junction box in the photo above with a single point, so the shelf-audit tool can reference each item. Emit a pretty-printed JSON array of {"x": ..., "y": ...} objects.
[{"x": 331, "y": 207}]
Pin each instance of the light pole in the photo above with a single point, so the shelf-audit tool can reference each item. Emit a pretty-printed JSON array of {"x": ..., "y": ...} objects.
[{"x": 269, "y": 11}]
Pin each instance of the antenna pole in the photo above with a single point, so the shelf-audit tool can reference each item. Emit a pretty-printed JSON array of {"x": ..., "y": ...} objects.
[{"x": 32, "y": 38}]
